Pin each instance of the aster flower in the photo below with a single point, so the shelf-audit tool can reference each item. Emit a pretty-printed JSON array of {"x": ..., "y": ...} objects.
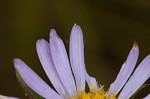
[{"x": 69, "y": 78}]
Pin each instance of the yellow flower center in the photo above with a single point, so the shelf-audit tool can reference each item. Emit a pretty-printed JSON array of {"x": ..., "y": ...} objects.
[{"x": 95, "y": 94}]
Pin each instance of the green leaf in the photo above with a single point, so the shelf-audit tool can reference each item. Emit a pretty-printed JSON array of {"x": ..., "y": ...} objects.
[
  {"x": 28, "y": 91},
  {"x": 143, "y": 86}
]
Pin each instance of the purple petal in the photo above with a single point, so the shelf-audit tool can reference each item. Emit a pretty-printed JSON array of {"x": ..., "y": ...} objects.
[
  {"x": 126, "y": 70},
  {"x": 141, "y": 74},
  {"x": 147, "y": 97},
  {"x": 77, "y": 56},
  {"x": 43, "y": 50},
  {"x": 34, "y": 81},
  {"x": 61, "y": 62}
]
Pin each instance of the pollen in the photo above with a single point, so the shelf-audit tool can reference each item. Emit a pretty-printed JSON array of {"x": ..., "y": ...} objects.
[{"x": 95, "y": 94}]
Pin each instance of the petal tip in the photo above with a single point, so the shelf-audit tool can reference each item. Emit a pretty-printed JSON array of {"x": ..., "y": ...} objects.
[
  {"x": 135, "y": 45},
  {"x": 40, "y": 41},
  {"x": 16, "y": 61},
  {"x": 76, "y": 29},
  {"x": 53, "y": 33},
  {"x": 76, "y": 26}
]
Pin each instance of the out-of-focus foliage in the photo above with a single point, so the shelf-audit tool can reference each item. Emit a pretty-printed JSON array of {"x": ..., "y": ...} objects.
[{"x": 110, "y": 27}]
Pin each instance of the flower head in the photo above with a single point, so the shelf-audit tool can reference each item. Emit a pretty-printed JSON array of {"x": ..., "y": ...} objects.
[{"x": 69, "y": 78}]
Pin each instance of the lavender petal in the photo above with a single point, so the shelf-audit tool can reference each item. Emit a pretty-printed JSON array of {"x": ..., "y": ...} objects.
[
  {"x": 140, "y": 75},
  {"x": 77, "y": 56},
  {"x": 126, "y": 70},
  {"x": 43, "y": 50},
  {"x": 34, "y": 81},
  {"x": 61, "y": 63}
]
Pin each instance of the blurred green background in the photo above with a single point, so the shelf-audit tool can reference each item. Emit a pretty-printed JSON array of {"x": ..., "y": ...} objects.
[{"x": 110, "y": 27}]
